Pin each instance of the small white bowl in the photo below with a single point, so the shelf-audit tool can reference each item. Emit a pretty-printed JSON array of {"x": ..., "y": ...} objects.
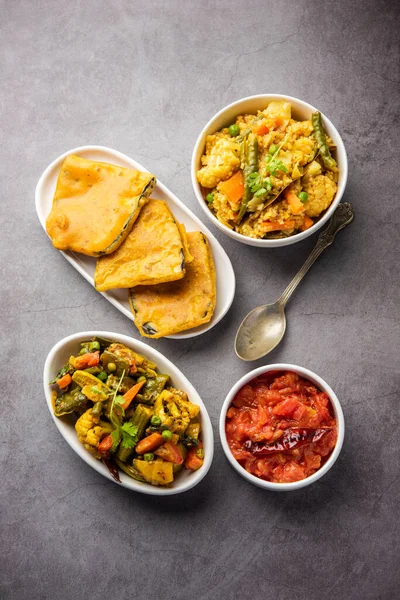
[
  {"x": 321, "y": 385},
  {"x": 250, "y": 105},
  {"x": 59, "y": 355}
]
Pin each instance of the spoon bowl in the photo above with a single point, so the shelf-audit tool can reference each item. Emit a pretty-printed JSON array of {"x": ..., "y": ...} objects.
[{"x": 260, "y": 331}]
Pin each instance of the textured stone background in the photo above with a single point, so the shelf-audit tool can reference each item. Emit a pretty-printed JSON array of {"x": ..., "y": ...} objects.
[{"x": 144, "y": 77}]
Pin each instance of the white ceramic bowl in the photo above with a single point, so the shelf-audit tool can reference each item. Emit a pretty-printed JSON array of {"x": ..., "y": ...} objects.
[
  {"x": 59, "y": 355},
  {"x": 320, "y": 384},
  {"x": 300, "y": 110}
]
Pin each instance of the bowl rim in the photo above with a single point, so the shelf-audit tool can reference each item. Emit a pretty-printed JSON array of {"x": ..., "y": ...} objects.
[
  {"x": 321, "y": 384},
  {"x": 264, "y": 243},
  {"x": 139, "y": 346}
]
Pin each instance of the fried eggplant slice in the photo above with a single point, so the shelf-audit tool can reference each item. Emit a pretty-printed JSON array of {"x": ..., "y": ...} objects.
[
  {"x": 152, "y": 253},
  {"x": 168, "y": 308},
  {"x": 95, "y": 205}
]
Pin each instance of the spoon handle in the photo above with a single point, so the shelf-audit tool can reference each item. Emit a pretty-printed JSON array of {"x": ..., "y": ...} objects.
[{"x": 342, "y": 216}]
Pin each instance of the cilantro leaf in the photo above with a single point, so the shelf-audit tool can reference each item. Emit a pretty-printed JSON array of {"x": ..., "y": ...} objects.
[
  {"x": 274, "y": 165},
  {"x": 129, "y": 434}
]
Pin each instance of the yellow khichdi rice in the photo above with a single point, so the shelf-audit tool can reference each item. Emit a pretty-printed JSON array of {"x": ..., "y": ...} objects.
[{"x": 268, "y": 175}]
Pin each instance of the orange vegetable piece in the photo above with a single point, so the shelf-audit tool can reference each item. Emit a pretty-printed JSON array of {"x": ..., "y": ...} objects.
[
  {"x": 271, "y": 226},
  {"x": 193, "y": 460},
  {"x": 287, "y": 407},
  {"x": 131, "y": 393},
  {"x": 294, "y": 202},
  {"x": 90, "y": 359},
  {"x": 170, "y": 452},
  {"x": 260, "y": 129},
  {"x": 278, "y": 121},
  {"x": 233, "y": 188},
  {"x": 63, "y": 382},
  {"x": 307, "y": 223},
  {"x": 105, "y": 446},
  {"x": 149, "y": 443}
]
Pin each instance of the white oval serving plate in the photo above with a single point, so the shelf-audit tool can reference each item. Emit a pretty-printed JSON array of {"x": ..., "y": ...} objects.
[
  {"x": 85, "y": 265},
  {"x": 60, "y": 354}
]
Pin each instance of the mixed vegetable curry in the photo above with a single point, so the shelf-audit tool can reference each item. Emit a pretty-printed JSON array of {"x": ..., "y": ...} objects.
[
  {"x": 269, "y": 175},
  {"x": 129, "y": 415}
]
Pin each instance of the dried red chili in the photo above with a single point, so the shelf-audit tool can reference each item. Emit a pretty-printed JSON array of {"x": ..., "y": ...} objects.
[{"x": 290, "y": 439}]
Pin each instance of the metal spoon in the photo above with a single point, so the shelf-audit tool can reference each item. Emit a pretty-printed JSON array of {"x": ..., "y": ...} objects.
[{"x": 264, "y": 327}]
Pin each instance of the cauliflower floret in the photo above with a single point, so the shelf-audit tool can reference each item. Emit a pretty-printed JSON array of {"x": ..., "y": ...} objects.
[
  {"x": 321, "y": 191},
  {"x": 174, "y": 410},
  {"x": 221, "y": 162},
  {"x": 90, "y": 430}
]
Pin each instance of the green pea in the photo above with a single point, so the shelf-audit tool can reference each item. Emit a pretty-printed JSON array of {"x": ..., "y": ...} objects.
[
  {"x": 141, "y": 378},
  {"x": 155, "y": 420},
  {"x": 102, "y": 376},
  {"x": 234, "y": 130},
  {"x": 94, "y": 346},
  {"x": 83, "y": 351},
  {"x": 167, "y": 434},
  {"x": 273, "y": 148},
  {"x": 303, "y": 196},
  {"x": 148, "y": 456},
  {"x": 210, "y": 198},
  {"x": 112, "y": 367}
]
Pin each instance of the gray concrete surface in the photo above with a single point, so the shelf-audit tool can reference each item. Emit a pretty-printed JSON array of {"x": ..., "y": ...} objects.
[{"x": 144, "y": 77}]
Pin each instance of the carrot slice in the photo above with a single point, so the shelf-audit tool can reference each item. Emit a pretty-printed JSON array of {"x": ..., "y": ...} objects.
[
  {"x": 105, "y": 446},
  {"x": 149, "y": 443},
  {"x": 307, "y": 223},
  {"x": 294, "y": 202},
  {"x": 131, "y": 393},
  {"x": 90, "y": 359},
  {"x": 233, "y": 188},
  {"x": 194, "y": 459},
  {"x": 260, "y": 129},
  {"x": 271, "y": 226},
  {"x": 63, "y": 382}
]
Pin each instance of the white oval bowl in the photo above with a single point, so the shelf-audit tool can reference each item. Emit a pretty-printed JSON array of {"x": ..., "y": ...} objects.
[
  {"x": 300, "y": 110},
  {"x": 85, "y": 265},
  {"x": 321, "y": 385},
  {"x": 60, "y": 354}
]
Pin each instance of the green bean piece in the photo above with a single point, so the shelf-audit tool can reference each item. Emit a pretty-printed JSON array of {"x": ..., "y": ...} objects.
[
  {"x": 140, "y": 418},
  {"x": 93, "y": 346},
  {"x": 152, "y": 388},
  {"x": 250, "y": 166},
  {"x": 97, "y": 409},
  {"x": 83, "y": 351},
  {"x": 141, "y": 378},
  {"x": 130, "y": 470},
  {"x": 148, "y": 456},
  {"x": 320, "y": 137}
]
